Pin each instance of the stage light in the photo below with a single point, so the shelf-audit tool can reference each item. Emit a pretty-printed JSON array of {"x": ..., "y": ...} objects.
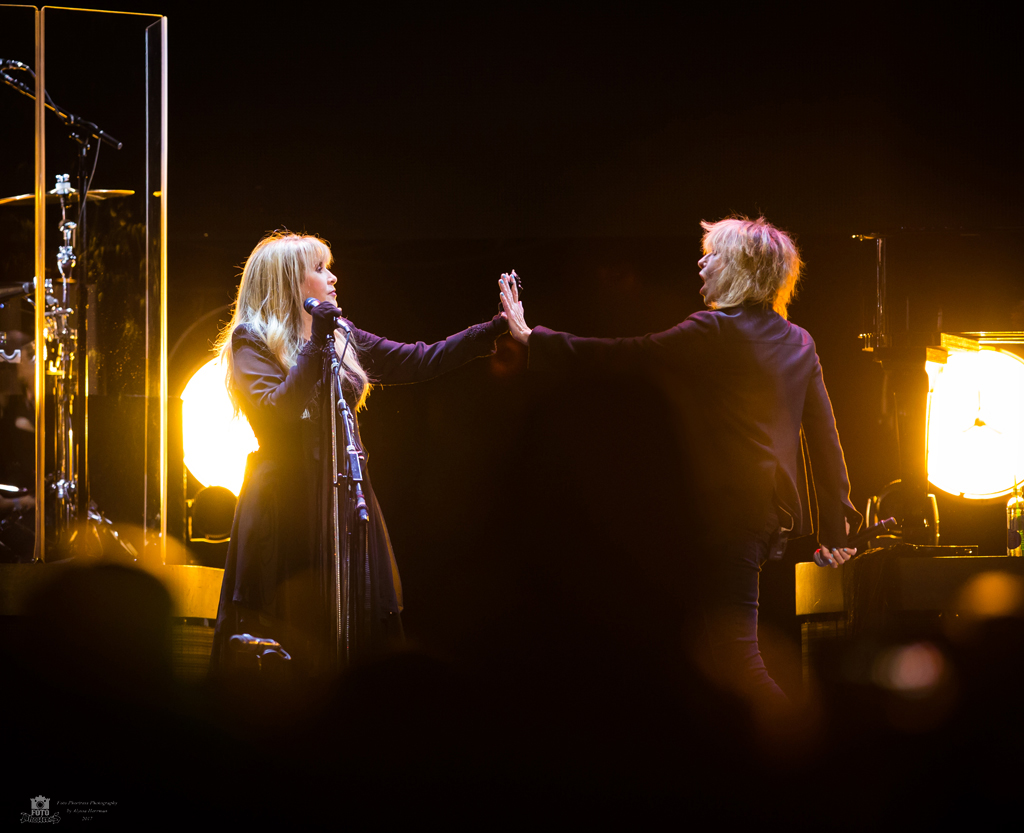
[
  {"x": 976, "y": 423},
  {"x": 216, "y": 442}
]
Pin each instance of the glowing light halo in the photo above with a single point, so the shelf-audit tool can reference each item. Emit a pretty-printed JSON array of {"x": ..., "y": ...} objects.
[
  {"x": 216, "y": 442},
  {"x": 976, "y": 423}
]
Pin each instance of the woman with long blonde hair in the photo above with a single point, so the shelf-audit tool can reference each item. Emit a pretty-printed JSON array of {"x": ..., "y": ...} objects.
[{"x": 273, "y": 350}]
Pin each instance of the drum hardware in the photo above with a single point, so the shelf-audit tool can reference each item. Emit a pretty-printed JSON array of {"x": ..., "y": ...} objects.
[
  {"x": 53, "y": 197},
  {"x": 28, "y": 289},
  {"x": 66, "y": 259},
  {"x": 17, "y": 534},
  {"x": 60, "y": 354},
  {"x": 61, "y": 366},
  {"x": 100, "y": 532},
  {"x": 95, "y": 537},
  {"x": 68, "y": 484},
  {"x": 62, "y": 358},
  {"x": 15, "y": 348}
]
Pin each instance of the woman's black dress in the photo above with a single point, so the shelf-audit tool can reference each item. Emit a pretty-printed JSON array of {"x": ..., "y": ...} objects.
[{"x": 273, "y": 570}]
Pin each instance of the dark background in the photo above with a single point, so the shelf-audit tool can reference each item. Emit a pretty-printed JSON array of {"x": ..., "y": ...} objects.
[{"x": 436, "y": 149}]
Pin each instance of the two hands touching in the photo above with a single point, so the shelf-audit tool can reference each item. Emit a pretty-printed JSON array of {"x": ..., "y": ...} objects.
[{"x": 508, "y": 287}]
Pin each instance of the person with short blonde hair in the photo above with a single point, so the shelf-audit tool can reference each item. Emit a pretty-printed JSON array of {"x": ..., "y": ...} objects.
[
  {"x": 745, "y": 385},
  {"x": 762, "y": 264}
]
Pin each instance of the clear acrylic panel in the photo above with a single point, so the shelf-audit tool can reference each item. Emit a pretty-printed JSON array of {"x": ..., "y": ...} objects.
[
  {"x": 103, "y": 423},
  {"x": 157, "y": 393},
  {"x": 18, "y": 29}
]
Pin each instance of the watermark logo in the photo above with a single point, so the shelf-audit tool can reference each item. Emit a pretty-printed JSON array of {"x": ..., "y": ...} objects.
[{"x": 40, "y": 811}]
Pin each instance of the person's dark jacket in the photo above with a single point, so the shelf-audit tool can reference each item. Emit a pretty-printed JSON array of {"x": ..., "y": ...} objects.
[{"x": 742, "y": 382}]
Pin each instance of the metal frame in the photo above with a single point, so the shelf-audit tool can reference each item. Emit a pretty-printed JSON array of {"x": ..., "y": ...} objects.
[{"x": 40, "y": 267}]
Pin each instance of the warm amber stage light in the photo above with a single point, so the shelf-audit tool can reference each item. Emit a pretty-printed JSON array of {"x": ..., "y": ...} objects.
[
  {"x": 976, "y": 423},
  {"x": 216, "y": 442}
]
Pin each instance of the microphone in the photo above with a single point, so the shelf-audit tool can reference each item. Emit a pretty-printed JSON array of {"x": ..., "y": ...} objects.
[
  {"x": 880, "y": 528},
  {"x": 311, "y": 304}
]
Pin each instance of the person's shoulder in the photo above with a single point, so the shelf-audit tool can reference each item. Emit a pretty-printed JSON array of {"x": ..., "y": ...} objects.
[
  {"x": 797, "y": 333},
  {"x": 245, "y": 336},
  {"x": 242, "y": 333},
  {"x": 716, "y": 324},
  {"x": 762, "y": 323},
  {"x": 705, "y": 320}
]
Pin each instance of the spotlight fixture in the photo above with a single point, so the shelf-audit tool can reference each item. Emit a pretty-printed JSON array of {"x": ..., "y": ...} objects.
[
  {"x": 216, "y": 440},
  {"x": 976, "y": 423}
]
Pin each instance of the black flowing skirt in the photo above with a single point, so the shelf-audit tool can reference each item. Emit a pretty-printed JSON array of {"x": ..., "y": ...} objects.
[{"x": 278, "y": 563}]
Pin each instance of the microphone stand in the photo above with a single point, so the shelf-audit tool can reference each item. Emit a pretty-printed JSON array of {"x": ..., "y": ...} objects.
[
  {"x": 351, "y": 585},
  {"x": 73, "y": 122}
]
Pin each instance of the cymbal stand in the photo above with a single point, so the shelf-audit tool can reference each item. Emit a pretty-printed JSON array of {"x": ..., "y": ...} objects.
[
  {"x": 71, "y": 480},
  {"x": 61, "y": 365}
]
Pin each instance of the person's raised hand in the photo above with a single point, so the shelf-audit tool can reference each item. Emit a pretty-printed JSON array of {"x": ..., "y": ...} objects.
[{"x": 509, "y": 290}]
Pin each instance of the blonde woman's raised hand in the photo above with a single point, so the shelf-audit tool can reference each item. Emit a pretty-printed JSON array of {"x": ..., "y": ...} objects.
[{"x": 509, "y": 290}]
